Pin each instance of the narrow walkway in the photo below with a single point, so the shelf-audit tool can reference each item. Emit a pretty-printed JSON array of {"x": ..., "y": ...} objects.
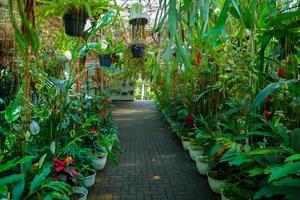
[{"x": 154, "y": 166}]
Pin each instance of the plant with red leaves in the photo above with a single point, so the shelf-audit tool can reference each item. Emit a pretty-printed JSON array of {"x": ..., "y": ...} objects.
[
  {"x": 267, "y": 114},
  {"x": 281, "y": 71},
  {"x": 267, "y": 98},
  {"x": 221, "y": 152},
  {"x": 93, "y": 130},
  {"x": 64, "y": 170},
  {"x": 190, "y": 121}
]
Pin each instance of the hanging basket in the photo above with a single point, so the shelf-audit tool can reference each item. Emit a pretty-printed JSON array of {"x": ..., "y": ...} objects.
[
  {"x": 75, "y": 22},
  {"x": 138, "y": 50},
  {"x": 138, "y": 16},
  {"x": 105, "y": 60}
]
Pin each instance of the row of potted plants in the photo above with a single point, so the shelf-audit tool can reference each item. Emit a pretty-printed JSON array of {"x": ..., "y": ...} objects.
[
  {"x": 67, "y": 143},
  {"x": 253, "y": 160}
]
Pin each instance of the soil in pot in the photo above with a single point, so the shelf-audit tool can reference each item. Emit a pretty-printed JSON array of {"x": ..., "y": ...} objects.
[
  {"x": 75, "y": 20},
  {"x": 138, "y": 50},
  {"x": 216, "y": 180},
  {"x": 105, "y": 60}
]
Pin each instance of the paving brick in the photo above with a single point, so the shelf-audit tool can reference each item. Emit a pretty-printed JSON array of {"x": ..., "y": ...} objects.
[{"x": 154, "y": 165}]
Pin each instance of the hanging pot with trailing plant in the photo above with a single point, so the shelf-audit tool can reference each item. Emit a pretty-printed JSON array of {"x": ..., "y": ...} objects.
[
  {"x": 105, "y": 60},
  {"x": 138, "y": 15},
  {"x": 138, "y": 50},
  {"x": 75, "y": 20}
]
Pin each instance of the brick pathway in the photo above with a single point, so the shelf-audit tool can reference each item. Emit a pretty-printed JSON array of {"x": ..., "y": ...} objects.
[{"x": 154, "y": 166}]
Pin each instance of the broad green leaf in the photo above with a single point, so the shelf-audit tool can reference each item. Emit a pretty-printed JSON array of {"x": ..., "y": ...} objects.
[
  {"x": 270, "y": 191},
  {"x": 256, "y": 171},
  {"x": 292, "y": 158},
  {"x": 53, "y": 147},
  {"x": 101, "y": 23},
  {"x": 285, "y": 170},
  {"x": 268, "y": 150},
  {"x": 10, "y": 164},
  {"x": 13, "y": 111},
  {"x": 261, "y": 133},
  {"x": 40, "y": 178},
  {"x": 236, "y": 6},
  {"x": 295, "y": 139},
  {"x": 11, "y": 179},
  {"x": 289, "y": 181},
  {"x": 18, "y": 188},
  {"x": 3, "y": 190},
  {"x": 269, "y": 90},
  {"x": 42, "y": 160}
]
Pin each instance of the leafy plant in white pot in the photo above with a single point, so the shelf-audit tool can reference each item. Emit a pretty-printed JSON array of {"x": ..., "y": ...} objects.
[
  {"x": 89, "y": 176},
  {"x": 195, "y": 149},
  {"x": 186, "y": 142},
  {"x": 203, "y": 164},
  {"x": 98, "y": 162},
  {"x": 216, "y": 180}
]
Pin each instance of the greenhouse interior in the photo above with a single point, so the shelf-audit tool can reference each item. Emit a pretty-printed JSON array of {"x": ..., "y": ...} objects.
[{"x": 150, "y": 99}]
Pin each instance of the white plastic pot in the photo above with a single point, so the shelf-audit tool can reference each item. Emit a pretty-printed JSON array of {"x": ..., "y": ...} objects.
[
  {"x": 224, "y": 197},
  {"x": 99, "y": 163},
  {"x": 90, "y": 180},
  {"x": 202, "y": 167},
  {"x": 186, "y": 144},
  {"x": 81, "y": 190},
  {"x": 215, "y": 185},
  {"x": 138, "y": 14},
  {"x": 194, "y": 153}
]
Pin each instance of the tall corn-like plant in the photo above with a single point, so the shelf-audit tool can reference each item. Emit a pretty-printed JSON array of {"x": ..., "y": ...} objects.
[{"x": 28, "y": 42}]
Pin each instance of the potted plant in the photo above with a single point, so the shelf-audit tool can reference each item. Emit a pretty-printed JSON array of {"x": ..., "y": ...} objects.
[
  {"x": 108, "y": 51},
  {"x": 235, "y": 192},
  {"x": 138, "y": 15},
  {"x": 98, "y": 162},
  {"x": 195, "y": 149},
  {"x": 216, "y": 180},
  {"x": 89, "y": 175},
  {"x": 186, "y": 141},
  {"x": 75, "y": 13},
  {"x": 80, "y": 193},
  {"x": 138, "y": 48},
  {"x": 75, "y": 19},
  {"x": 203, "y": 164}
]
